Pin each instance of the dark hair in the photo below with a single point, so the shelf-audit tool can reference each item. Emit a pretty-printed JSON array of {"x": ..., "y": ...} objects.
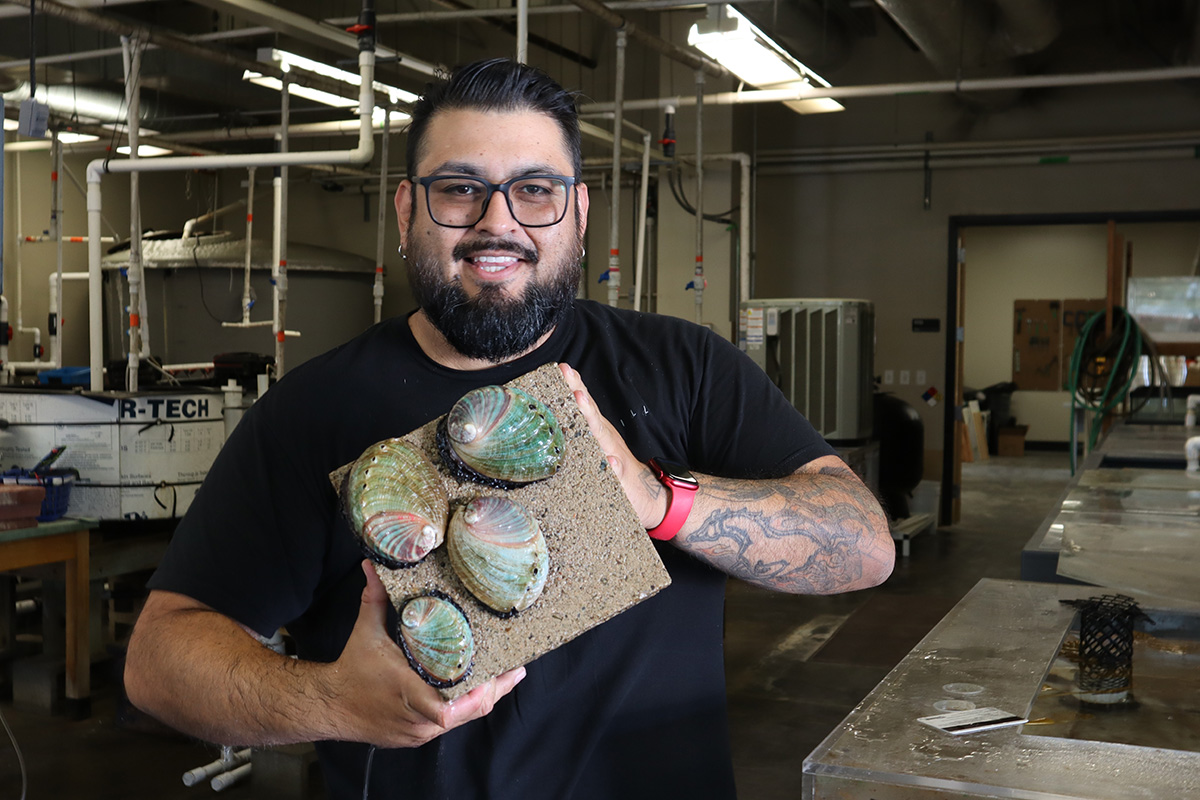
[{"x": 498, "y": 84}]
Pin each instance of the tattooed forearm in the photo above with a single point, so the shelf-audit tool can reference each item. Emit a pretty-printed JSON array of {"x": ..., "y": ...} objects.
[{"x": 818, "y": 531}]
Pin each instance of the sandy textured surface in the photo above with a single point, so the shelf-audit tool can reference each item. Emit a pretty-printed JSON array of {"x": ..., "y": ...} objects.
[{"x": 601, "y": 560}]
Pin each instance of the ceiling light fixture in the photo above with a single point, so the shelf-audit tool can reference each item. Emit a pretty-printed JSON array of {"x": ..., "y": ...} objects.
[
  {"x": 737, "y": 44},
  {"x": 145, "y": 150},
  {"x": 11, "y": 124},
  {"x": 288, "y": 60}
]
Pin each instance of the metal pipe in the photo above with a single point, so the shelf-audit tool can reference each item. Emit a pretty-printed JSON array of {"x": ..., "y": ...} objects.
[
  {"x": 20, "y": 326},
  {"x": 656, "y": 43},
  {"x": 614, "y": 219},
  {"x": 246, "y": 301},
  {"x": 895, "y": 89},
  {"x": 698, "y": 282},
  {"x": 170, "y": 41},
  {"x": 381, "y": 229},
  {"x": 360, "y": 154},
  {"x": 282, "y": 20},
  {"x": 279, "y": 280},
  {"x": 643, "y": 198},
  {"x": 559, "y": 8},
  {"x": 52, "y": 315},
  {"x": 132, "y": 56},
  {"x": 105, "y": 52},
  {"x": 522, "y": 31},
  {"x": 1181, "y": 153}
]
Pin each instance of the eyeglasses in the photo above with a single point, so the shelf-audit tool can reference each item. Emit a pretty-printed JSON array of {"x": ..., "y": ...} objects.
[{"x": 535, "y": 201}]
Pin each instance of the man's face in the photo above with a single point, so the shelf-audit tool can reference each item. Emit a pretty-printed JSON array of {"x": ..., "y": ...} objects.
[{"x": 493, "y": 290}]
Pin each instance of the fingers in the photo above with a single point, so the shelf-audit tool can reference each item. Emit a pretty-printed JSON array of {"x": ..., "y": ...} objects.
[
  {"x": 480, "y": 701},
  {"x": 374, "y": 598}
]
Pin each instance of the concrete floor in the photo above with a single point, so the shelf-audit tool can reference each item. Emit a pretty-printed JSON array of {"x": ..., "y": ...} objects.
[{"x": 795, "y": 665}]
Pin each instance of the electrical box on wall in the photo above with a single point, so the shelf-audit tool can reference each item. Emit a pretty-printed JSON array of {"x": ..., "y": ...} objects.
[{"x": 821, "y": 354}]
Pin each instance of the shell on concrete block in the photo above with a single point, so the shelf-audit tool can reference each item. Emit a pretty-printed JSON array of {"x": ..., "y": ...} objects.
[
  {"x": 501, "y": 436},
  {"x": 436, "y": 638},
  {"x": 497, "y": 549},
  {"x": 396, "y": 503}
]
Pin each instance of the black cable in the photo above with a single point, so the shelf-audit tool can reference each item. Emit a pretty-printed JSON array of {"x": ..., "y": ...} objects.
[
  {"x": 21, "y": 758},
  {"x": 367, "y": 777},
  {"x": 675, "y": 181},
  {"x": 200, "y": 279}
]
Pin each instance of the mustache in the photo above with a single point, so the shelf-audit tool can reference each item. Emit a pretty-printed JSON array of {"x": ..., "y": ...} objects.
[{"x": 464, "y": 250}]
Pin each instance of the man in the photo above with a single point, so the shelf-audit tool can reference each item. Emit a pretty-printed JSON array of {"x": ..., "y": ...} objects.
[{"x": 492, "y": 219}]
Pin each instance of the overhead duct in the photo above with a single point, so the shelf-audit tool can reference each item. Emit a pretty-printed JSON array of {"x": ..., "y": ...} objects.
[
  {"x": 80, "y": 102},
  {"x": 977, "y": 39}
]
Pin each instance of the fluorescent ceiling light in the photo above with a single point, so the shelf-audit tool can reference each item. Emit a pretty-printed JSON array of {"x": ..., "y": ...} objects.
[
  {"x": 11, "y": 124},
  {"x": 398, "y": 117},
  {"x": 70, "y": 137},
  {"x": 145, "y": 150},
  {"x": 288, "y": 60},
  {"x": 737, "y": 44}
]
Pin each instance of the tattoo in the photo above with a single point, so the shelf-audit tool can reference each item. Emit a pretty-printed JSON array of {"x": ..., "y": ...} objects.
[{"x": 813, "y": 533}]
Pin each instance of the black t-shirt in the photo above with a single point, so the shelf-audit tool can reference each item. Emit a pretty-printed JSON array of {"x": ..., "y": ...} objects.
[{"x": 633, "y": 708}]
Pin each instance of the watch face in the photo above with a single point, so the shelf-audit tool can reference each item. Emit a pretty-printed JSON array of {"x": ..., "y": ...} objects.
[{"x": 675, "y": 473}]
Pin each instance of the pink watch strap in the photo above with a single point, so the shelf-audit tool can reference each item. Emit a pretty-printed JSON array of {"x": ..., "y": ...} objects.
[{"x": 677, "y": 513}]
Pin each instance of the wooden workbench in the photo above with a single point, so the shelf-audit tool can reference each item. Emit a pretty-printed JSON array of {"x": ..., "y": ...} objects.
[{"x": 65, "y": 540}]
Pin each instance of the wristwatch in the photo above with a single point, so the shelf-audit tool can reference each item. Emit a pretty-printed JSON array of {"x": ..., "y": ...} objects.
[{"x": 682, "y": 485}]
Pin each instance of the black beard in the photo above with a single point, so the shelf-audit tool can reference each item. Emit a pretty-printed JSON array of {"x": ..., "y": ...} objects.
[{"x": 493, "y": 327}]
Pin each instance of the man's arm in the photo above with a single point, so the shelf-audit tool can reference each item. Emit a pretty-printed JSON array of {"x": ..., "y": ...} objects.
[
  {"x": 816, "y": 531},
  {"x": 202, "y": 673}
]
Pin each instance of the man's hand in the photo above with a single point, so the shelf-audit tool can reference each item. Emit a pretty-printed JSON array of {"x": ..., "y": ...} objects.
[
  {"x": 204, "y": 674},
  {"x": 379, "y": 696},
  {"x": 645, "y": 493}
]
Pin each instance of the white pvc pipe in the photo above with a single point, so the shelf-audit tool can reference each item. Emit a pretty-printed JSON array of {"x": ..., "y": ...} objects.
[
  {"x": 191, "y": 224},
  {"x": 227, "y": 779},
  {"x": 96, "y": 169},
  {"x": 1189, "y": 418},
  {"x": 643, "y": 197},
  {"x": 1192, "y": 449},
  {"x": 195, "y": 776},
  {"x": 894, "y": 89}
]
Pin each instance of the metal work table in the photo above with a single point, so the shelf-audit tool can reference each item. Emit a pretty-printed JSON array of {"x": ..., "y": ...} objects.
[
  {"x": 1003, "y": 637},
  {"x": 68, "y": 541},
  {"x": 1145, "y": 445}
]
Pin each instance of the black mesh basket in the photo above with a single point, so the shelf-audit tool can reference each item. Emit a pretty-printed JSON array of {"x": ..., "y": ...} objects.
[{"x": 1106, "y": 647}]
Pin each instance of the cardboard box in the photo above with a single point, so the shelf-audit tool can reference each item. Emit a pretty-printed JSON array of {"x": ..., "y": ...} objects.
[
  {"x": 1010, "y": 441},
  {"x": 1037, "y": 345}
]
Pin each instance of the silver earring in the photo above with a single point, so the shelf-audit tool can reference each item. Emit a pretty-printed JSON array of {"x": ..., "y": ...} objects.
[{"x": 583, "y": 254}]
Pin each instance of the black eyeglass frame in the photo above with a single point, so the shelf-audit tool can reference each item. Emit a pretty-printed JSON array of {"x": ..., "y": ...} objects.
[{"x": 569, "y": 180}]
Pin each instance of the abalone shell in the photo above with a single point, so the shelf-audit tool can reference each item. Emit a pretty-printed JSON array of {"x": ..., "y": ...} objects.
[
  {"x": 396, "y": 503},
  {"x": 436, "y": 638},
  {"x": 497, "y": 549},
  {"x": 502, "y": 437}
]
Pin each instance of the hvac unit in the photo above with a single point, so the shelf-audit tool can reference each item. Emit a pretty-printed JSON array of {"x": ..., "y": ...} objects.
[{"x": 821, "y": 354}]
